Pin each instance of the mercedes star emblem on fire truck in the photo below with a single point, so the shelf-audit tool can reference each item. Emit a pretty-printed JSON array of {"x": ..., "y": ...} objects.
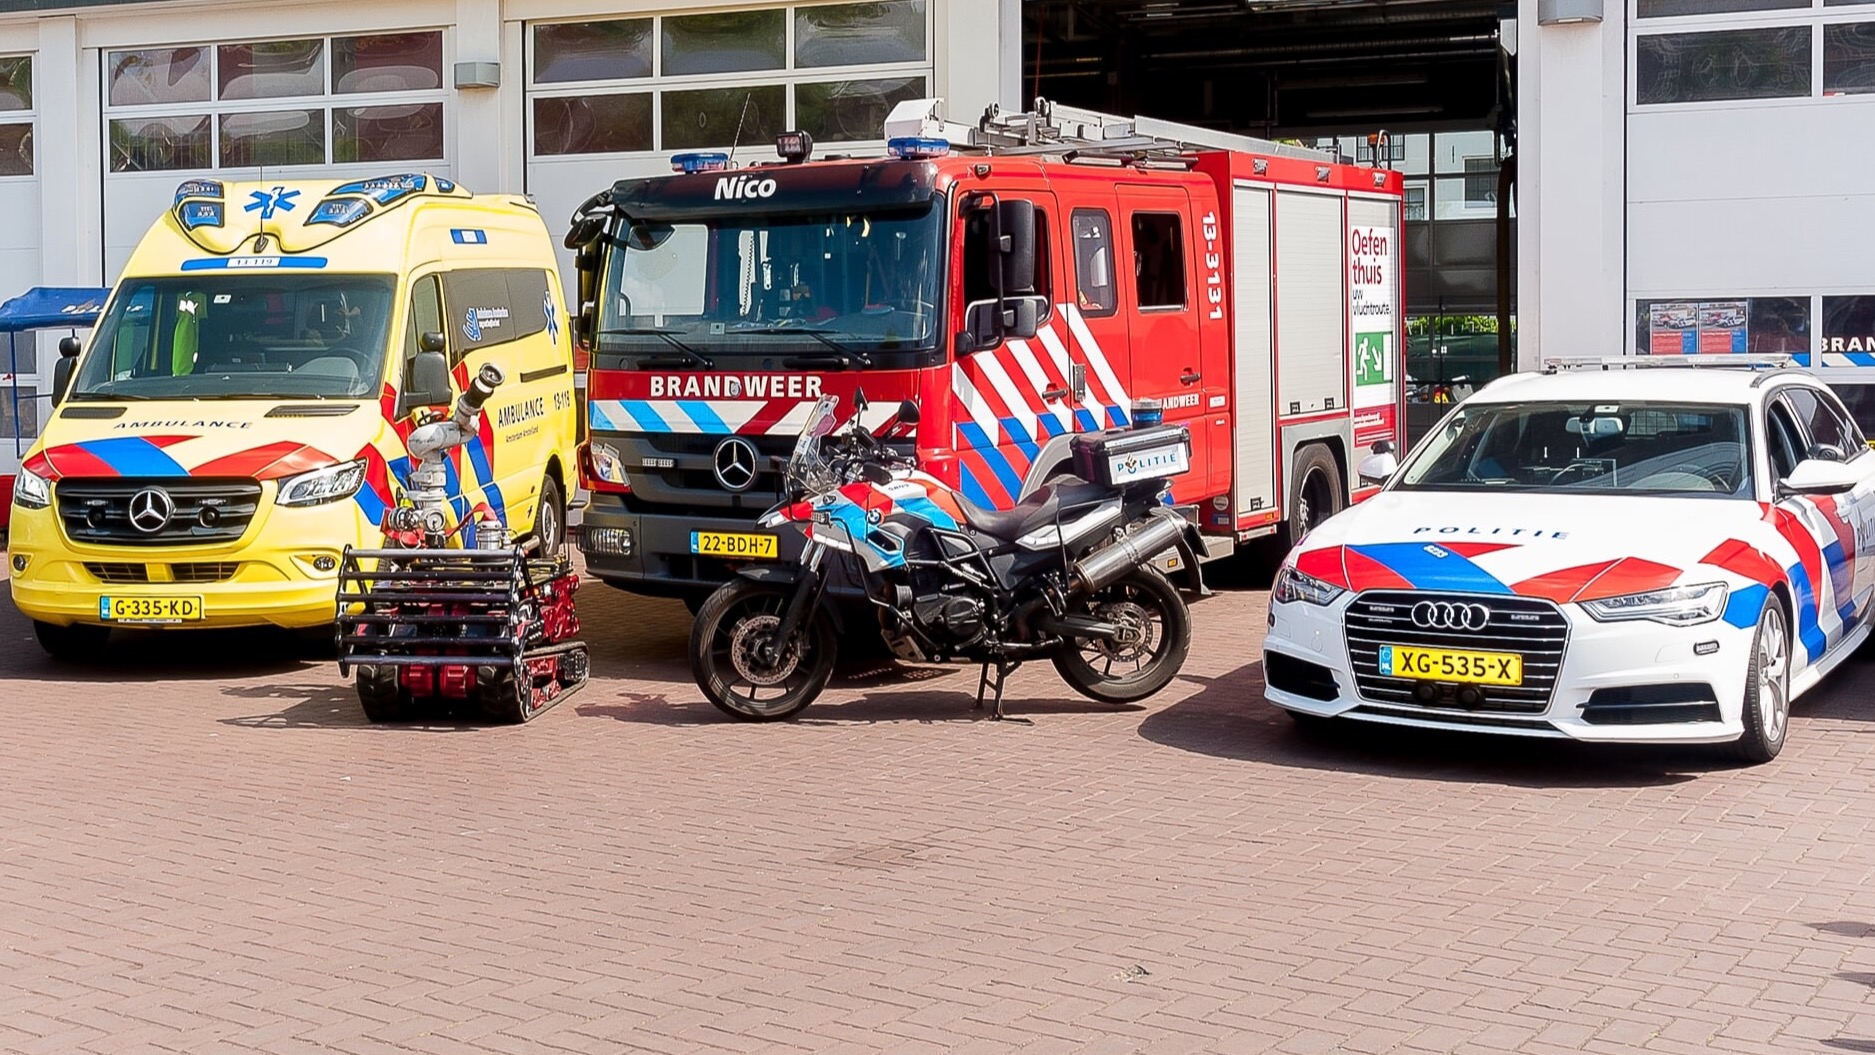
[{"x": 734, "y": 464}]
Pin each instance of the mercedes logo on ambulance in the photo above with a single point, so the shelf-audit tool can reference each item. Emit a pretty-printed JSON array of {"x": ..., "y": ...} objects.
[
  {"x": 150, "y": 510},
  {"x": 734, "y": 464},
  {"x": 1450, "y": 615}
]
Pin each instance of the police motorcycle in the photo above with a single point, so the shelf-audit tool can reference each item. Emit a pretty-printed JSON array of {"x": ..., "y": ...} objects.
[
  {"x": 461, "y": 613},
  {"x": 1066, "y": 575}
]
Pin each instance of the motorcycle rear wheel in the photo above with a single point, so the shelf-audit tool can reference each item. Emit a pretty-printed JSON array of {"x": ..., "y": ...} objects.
[
  {"x": 1127, "y": 672},
  {"x": 726, "y": 643}
]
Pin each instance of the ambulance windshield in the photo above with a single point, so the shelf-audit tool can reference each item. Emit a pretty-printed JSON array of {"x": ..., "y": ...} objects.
[
  {"x": 821, "y": 285},
  {"x": 240, "y": 336}
]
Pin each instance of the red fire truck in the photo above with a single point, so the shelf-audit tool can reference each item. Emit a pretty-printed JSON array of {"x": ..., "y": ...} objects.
[{"x": 1021, "y": 280}]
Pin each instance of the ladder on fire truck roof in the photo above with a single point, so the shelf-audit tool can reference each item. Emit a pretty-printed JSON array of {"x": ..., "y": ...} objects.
[{"x": 1053, "y": 128}]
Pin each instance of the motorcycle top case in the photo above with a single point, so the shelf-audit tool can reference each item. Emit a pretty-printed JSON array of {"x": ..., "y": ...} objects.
[{"x": 1120, "y": 457}]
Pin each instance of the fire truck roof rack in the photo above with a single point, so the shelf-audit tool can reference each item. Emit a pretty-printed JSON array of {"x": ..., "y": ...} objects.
[
  {"x": 1057, "y": 129},
  {"x": 1052, "y": 128},
  {"x": 1641, "y": 362}
]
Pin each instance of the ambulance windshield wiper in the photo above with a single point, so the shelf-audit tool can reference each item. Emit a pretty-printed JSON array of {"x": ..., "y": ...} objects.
[
  {"x": 848, "y": 356},
  {"x": 670, "y": 337}
]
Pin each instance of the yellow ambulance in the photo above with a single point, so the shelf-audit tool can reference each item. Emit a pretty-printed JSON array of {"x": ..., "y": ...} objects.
[{"x": 238, "y": 414}]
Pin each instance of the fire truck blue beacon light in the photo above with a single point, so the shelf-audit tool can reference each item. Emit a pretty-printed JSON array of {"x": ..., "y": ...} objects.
[{"x": 918, "y": 147}]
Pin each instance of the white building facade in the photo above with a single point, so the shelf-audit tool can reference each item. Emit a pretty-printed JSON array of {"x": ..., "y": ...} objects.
[
  {"x": 106, "y": 107},
  {"x": 1694, "y": 176}
]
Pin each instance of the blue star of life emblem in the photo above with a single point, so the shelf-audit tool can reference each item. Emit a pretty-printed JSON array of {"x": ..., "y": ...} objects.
[{"x": 266, "y": 202}]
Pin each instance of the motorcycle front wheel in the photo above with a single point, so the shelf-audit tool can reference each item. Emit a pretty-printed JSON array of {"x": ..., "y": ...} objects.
[
  {"x": 731, "y": 659},
  {"x": 1157, "y": 635}
]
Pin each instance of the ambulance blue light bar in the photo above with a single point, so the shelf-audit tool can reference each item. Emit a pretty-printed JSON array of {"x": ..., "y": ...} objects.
[
  {"x": 918, "y": 147},
  {"x": 710, "y": 162}
]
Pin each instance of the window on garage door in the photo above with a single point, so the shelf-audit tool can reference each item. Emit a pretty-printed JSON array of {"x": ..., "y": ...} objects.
[
  {"x": 312, "y": 101},
  {"x": 713, "y": 80}
]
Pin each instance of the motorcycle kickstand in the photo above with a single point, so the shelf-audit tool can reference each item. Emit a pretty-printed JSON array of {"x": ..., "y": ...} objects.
[{"x": 986, "y": 683}]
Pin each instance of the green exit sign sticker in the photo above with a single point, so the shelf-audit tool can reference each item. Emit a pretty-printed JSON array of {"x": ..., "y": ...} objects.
[{"x": 1370, "y": 358}]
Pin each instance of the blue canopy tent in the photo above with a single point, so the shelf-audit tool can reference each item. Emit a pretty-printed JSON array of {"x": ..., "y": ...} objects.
[{"x": 43, "y": 308}]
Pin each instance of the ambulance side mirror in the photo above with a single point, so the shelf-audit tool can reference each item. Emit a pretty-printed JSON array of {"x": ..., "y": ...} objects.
[
  {"x": 427, "y": 383},
  {"x": 63, "y": 370}
]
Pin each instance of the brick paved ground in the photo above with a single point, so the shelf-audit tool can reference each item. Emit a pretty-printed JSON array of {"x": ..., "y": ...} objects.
[{"x": 204, "y": 848}]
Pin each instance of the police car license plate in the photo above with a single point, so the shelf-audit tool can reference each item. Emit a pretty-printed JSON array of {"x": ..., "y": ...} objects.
[
  {"x": 734, "y": 546},
  {"x": 1439, "y": 664},
  {"x": 150, "y": 609}
]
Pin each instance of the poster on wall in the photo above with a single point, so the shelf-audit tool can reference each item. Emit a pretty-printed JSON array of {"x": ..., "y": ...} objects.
[
  {"x": 1373, "y": 285},
  {"x": 1709, "y": 327}
]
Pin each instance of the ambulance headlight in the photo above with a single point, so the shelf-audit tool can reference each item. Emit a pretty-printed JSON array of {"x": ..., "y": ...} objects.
[
  {"x": 322, "y": 485},
  {"x": 31, "y": 491}
]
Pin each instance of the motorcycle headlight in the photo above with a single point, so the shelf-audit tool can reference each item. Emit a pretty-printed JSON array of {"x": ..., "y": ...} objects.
[
  {"x": 1675, "y": 606},
  {"x": 322, "y": 485},
  {"x": 31, "y": 491},
  {"x": 1292, "y": 585}
]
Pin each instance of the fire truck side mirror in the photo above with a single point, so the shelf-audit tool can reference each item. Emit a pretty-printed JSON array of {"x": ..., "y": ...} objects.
[
  {"x": 1014, "y": 255},
  {"x": 989, "y": 322},
  {"x": 908, "y": 413}
]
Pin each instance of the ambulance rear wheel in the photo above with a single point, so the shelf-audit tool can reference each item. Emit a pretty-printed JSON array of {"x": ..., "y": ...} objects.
[
  {"x": 79, "y": 641},
  {"x": 550, "y": 518},
  {"x": 1315, "y": 493},
  {"x": 381, "y": 694}
]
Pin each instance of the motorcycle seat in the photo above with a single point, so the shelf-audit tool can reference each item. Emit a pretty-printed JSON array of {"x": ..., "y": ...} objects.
[{"x": 1063, "y": 496}]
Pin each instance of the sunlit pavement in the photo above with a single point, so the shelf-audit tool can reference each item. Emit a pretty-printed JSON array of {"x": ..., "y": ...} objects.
[{"x": 204, "y": 848}]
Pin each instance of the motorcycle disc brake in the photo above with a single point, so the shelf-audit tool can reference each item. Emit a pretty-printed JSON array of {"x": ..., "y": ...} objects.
[
  {"x": 1137, "y": 631},
  {"x": 745, "y": 652}
]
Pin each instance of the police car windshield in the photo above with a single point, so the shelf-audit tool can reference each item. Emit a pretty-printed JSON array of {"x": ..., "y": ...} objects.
[
  {"x": 237, "y": 336},
  {"x": 849, "y": 282},
  {"x": 1678, "y": 449}
]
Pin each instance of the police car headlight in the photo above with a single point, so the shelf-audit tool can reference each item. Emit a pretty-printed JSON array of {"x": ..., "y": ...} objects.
[
  {"x": 322, "y": 485},
  {"x": 1676, "y": 606},
  {"x": 31, "y": 491},
  {"x": 1292, "y": 585}
]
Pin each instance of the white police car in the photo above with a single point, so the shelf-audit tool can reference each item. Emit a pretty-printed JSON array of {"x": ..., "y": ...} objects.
[{"x": 1600, "y": 551}]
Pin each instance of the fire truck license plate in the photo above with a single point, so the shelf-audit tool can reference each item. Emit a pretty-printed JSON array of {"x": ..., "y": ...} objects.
[
  {"x": 150, "y": 609},
  {"x": 734, "y": 546},
  {"x": 1438, "y": 664}
]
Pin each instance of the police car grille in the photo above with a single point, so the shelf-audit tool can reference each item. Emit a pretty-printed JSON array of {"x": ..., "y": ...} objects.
[
  {"x": 1535, "y": 629},
  {"x": 207, "y": 511}
]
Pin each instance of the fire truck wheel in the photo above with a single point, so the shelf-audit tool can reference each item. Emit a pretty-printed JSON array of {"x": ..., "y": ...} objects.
[
  {"x": 550, "y": 518},
  {"x": 70, "y": 644},
  {"x": 505, "y": 698},
  {"x": 1315, "y": 493},
  {"x": 382, "y": 697}
]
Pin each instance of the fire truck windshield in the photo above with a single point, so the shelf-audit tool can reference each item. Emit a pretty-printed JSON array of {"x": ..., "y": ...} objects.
[{"x": 832, "y": 285}]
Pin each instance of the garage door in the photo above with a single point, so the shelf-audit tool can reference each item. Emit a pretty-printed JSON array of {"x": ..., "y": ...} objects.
[
  {"x": 615, "y": 98},
  {"x": 341, "y": 106}
]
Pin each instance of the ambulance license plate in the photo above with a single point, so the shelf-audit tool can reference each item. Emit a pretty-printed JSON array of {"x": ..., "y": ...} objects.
[
  {"x": 150, "y": 609},
  {"x": 1439, "y": 664},
  {"x": 735, "y": 546}
]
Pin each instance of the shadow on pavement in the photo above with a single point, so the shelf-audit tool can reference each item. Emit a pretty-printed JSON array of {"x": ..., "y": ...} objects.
[
  {"x": 1228, "y": 718},
  {"x": 328, "y": 707},
  {"x": 153, "y": 655}
]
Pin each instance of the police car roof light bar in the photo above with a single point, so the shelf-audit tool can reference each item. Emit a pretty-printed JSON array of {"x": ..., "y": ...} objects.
[{"x": 1641, "y": 362}]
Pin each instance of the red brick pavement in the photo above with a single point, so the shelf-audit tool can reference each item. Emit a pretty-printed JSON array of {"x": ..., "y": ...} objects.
[{"x": 204, "y": 848}]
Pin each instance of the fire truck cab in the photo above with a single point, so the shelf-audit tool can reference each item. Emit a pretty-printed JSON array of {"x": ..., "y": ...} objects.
[{"x": 1022, "y": 280}]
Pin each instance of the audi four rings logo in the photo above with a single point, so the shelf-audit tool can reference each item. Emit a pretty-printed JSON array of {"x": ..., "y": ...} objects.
[
  {"x": 734, "y": 464},
  {"x": 1450, "y": 615},
  {"x": 150, "y": 510}
]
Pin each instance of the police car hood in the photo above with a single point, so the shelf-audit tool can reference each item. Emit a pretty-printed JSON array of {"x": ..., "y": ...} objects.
[
  {"x": 258, "y": 439},
  {"x": 1561, "y": 547}
]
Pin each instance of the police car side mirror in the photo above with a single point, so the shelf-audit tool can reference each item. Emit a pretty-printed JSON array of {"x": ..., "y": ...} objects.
[
  {"x": 428, "y": 382},
  {"x": 1820, "y": 476}
]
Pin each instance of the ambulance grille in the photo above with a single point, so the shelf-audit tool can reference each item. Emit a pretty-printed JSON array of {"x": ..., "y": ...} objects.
[
  {"x": 116, "y": 574},
  {"x": 1535, "y": 629},
  {"x": 206, "y": 511}
]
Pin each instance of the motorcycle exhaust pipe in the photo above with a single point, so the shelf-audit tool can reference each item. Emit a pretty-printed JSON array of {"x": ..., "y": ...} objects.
[{"x": 1129, "y": 551}]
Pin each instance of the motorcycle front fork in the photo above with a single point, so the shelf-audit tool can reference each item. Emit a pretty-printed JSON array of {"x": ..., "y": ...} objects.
[{"x": 801, "y": 605}]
